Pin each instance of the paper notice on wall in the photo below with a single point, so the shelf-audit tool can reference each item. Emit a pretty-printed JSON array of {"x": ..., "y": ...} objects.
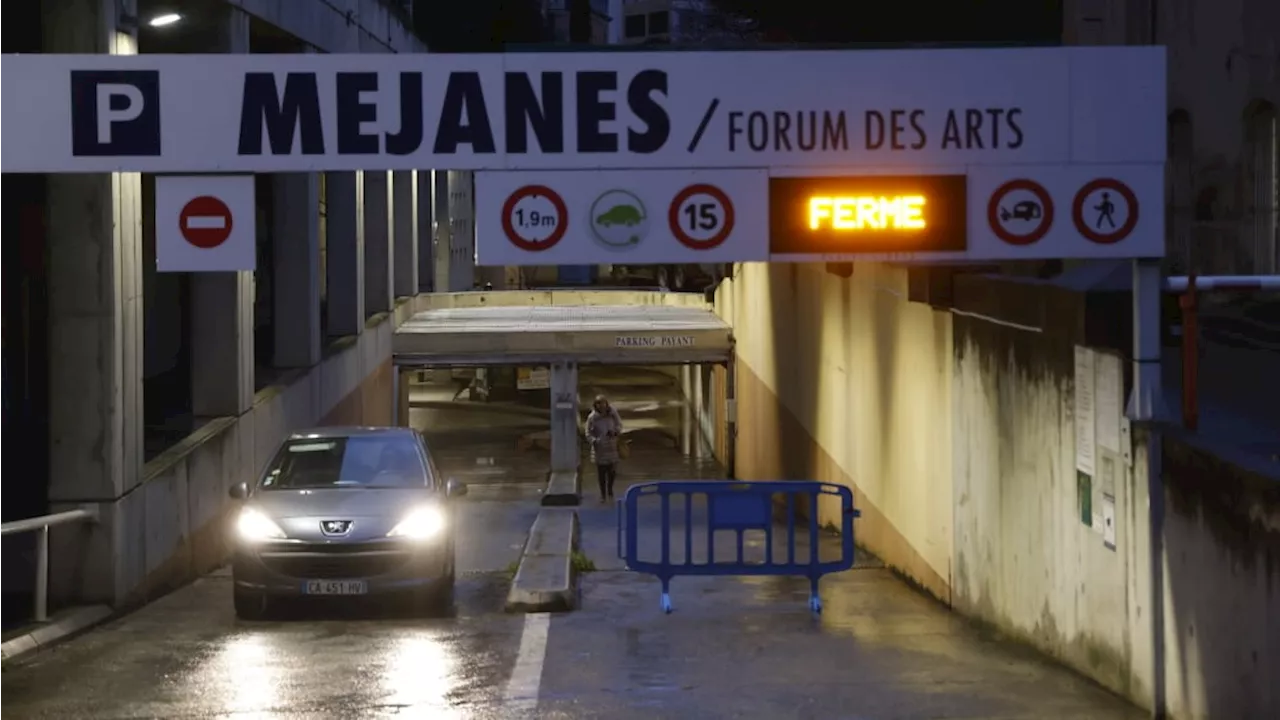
[
  {"x": 1109, "y": 522},
  {"x": 1109, "y": 392},
  {"x": 1084, "y": 411}
]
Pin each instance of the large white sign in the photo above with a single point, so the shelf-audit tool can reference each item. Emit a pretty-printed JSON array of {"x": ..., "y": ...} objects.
[
  {"x": 629, "y": 218},
  {"x": 870, "y": 108}
]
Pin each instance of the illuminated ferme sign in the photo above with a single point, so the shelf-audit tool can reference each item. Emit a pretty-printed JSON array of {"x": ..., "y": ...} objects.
[{"x": 867, "y": 214}]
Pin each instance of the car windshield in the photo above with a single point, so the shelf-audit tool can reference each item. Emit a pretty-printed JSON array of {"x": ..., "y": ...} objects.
[{"x": 370, "y": 461}]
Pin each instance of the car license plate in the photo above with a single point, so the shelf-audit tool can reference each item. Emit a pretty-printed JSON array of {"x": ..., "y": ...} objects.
[{"x": 336, "y": 587}]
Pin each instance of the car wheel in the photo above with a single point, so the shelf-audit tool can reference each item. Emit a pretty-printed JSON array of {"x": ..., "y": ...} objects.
[{"x": 249, "y": 605}]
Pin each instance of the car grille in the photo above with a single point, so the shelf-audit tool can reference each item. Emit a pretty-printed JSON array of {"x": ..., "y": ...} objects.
[{"x": 333, "y": 561}]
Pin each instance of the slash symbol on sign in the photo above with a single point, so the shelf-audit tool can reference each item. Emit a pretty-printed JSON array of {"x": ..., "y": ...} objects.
[{"x": 702, "y": 126}]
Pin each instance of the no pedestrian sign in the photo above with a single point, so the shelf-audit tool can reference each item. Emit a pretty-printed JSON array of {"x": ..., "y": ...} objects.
[
  {"x": 640, "y": 217},
  {"x": 205, "y": 223}
]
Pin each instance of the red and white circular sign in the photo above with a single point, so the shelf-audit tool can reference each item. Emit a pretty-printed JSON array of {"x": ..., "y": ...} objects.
[
  {"x": 535, "y": 218},
  {"x": 205, "y": 222},
  {"x": 1105, "y": 211},
  {"x": 701, "y": 217},
  {"x": 1020, "y": 212}
]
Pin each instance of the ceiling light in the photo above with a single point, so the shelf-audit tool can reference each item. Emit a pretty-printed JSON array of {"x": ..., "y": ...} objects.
[{"x": 163, "y": 20}]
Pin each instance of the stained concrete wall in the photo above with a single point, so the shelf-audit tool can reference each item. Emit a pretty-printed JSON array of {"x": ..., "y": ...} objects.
[
  {"x": 957, "y": 429},
  {"x": 1221, "y": 584}
]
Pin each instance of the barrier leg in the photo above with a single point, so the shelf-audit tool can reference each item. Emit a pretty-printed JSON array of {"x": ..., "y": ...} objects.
[
  {"x": 815, "y": 602},
  {"x": 665, "y": 602}
]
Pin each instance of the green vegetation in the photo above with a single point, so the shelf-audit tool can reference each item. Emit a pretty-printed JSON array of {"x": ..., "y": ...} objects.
[{"x": 581, "y": 563}]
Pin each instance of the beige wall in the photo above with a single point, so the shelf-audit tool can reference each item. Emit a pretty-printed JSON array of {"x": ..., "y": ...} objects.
[{"x": 843, "y": 381}]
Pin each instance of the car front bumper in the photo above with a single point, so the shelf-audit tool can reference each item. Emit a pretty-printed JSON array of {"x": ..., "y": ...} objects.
[{"x": 386, "y": 567}]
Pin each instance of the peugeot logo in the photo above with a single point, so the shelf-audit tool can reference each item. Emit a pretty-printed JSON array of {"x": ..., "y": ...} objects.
[{"x": 335, "y": 527}]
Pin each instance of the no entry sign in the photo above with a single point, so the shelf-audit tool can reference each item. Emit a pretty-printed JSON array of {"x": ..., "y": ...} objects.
[{"x": 205, "y": 223}]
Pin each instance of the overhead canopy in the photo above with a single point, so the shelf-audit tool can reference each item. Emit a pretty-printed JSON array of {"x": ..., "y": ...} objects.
[{"x": 539, "y": 335}]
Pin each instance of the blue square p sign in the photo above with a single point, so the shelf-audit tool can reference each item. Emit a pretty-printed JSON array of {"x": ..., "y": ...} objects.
[{"x": 115, "y": 112}]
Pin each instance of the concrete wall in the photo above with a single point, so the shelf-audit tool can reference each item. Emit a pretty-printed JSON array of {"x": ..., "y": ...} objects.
[
  {"x": 846, "y": 382},
  {"x": 171, "y": 526},
  {"x": 957, "y": 429},
  {"x": 338, "y": 26},
  {"x": 1221, "y": 584}
]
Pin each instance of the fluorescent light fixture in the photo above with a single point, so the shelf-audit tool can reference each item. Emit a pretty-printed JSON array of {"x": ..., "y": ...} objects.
[{"x": 163, "y": 20}]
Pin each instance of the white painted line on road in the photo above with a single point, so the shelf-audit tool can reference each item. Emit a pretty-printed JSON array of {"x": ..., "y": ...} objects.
[{"x": 526, "y": 676}]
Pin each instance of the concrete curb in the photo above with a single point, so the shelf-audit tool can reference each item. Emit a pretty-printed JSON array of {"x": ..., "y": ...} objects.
[
  {"x": 564, "y": 489},
  {"x": 67, "y": 622},
  {"x": 546, "y": 580}
]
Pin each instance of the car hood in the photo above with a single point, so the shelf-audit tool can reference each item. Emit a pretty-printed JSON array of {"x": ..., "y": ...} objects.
[{"x": 372, "y": 512}]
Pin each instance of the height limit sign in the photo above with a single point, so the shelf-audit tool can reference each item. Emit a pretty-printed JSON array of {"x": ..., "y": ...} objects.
[{"x": 535, "y": 218}]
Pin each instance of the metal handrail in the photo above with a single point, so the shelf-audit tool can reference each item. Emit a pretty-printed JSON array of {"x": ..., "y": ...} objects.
[{"x": 41, "y": 525}]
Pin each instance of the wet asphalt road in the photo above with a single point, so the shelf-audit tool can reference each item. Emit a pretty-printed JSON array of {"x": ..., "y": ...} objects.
[{"x": 733, "y": 648}]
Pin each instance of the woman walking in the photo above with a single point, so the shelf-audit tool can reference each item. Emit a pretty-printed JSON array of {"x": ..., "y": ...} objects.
[{"x": 604, "y": 428}]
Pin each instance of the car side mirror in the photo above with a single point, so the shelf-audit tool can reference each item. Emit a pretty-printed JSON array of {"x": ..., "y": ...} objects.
[
  {"x": 239, "y": 491},
  {"x": 455, "y": 488}
]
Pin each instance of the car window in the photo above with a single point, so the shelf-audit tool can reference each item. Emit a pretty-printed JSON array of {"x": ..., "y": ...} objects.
[{"x": 357, "y": 461}]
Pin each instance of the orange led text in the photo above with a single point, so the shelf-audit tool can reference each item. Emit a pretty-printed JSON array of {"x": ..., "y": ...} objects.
[{"x": 866, "y": 212}]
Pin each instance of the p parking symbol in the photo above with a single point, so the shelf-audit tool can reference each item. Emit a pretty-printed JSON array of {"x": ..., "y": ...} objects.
[{"x": 115, "y": 112}]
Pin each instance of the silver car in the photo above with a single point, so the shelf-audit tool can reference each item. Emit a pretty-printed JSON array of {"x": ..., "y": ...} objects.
[{"x": 346, "y": 512}]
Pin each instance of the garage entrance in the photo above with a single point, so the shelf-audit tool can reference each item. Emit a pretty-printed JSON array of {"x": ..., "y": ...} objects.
[{"x": 493, "y": 352}]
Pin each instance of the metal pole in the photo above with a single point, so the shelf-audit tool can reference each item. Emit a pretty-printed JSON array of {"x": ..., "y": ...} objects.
[{"x": 42, "y": 575}]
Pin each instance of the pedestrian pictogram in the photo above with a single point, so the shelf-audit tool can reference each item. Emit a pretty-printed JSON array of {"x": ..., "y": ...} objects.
[
  {"x": 701, "y": 216},
  {"x": 1020, "y": 212},
  {"x": 535, "y": 218},
  {"x": 1105, "y": 211},
  {"x": 205, "y": 222},
  {"x": 619, "y": 219}
]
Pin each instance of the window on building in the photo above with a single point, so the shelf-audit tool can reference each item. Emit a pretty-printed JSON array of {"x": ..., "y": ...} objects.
[
  {"x": 659, "y": 23},
  {"x": 633, "y": 26}
]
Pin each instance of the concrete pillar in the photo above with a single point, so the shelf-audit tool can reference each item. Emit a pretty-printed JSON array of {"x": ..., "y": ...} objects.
[
  {"x": 462, "y": 231},
  {"x": 444, "y": 251},
  {"x": 426, "y": 189},
  {"x": 222, "y": 303},
  {"x": 404, "y": 210},
  {"x": 400, "y": 390},
  {"x": 296, "y": 217},
  {"x": 94, "y": 234},
  {"x": 564, "y": 416},
  {"x": 344, "y": 253},
  {"x": 378, "y": 229}
]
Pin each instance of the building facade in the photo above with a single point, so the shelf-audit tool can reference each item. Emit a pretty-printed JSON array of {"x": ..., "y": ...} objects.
[{"x": 1223, "y": 195}]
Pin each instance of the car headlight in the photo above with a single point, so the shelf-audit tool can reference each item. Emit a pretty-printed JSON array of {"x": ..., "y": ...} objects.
[
  {"x": 420, "y": 524},
  {"x": 253, "y": 525}
]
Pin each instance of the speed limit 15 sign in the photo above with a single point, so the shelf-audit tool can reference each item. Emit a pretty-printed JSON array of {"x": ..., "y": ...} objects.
[{"x": 633, "y": 217}]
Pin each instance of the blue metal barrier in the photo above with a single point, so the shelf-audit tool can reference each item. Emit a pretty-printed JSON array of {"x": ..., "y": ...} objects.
[{"x": 735, "y": 506}]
